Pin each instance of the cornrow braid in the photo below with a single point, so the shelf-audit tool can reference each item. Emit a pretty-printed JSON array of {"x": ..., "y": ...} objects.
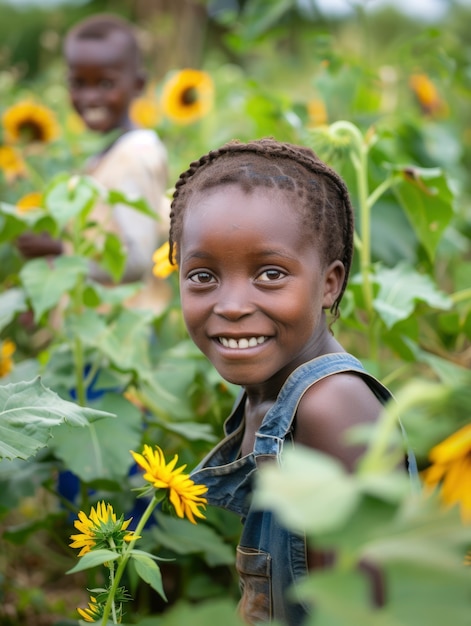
[{"x": 324, "y": 202}]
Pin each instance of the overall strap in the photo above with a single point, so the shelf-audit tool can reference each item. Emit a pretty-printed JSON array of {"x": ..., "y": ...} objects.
[{"x": 278, "y": 420}]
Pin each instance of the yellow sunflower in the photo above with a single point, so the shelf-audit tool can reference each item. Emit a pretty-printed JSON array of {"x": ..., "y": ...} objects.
[
  {"x": 11, "y": 163},
  {"x": 185, "y": 496},
  {"x": 30, "y": 201},
  {"x": 163, "y": 267},
  {"x": 145, "y": 112},
  {"x": 7, "y": 350},
  {"x": 188, "y": 96},
  {"x": 451, "y": 469},
  {"x": 100, "y": 529},
  {"x": 94, "y": 611},
  {"x": 427, "y": 95},
  {"x": 29, "y": 122}
]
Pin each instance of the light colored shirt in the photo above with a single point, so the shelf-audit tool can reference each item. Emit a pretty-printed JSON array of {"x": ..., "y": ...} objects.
[{"x": 136, "y": 165}]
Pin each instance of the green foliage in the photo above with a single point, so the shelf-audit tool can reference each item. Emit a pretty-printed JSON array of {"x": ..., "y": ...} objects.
[
  {"x": 29, "y": 412},
  {"x": 92, "y": 379}
]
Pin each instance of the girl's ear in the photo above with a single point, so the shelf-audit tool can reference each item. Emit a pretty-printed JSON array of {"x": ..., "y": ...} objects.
[{"x": 333, "y": 282}]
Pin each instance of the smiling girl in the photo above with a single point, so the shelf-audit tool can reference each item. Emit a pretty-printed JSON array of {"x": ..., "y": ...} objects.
[{"x": 263, "y": 234}]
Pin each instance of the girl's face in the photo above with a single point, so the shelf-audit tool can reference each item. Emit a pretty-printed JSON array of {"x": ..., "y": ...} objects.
[
  {"x": 253, "y": 284},
  {"x": 102, "y": 82}
]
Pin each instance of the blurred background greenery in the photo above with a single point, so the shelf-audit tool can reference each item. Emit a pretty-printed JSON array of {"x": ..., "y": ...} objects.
[{"x": 400, "y": 74}]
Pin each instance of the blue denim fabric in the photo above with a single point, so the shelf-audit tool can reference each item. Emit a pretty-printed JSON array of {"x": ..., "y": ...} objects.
[{"x": 269, "y": 557}]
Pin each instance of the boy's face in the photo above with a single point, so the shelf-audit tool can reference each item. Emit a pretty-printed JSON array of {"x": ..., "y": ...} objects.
[
  {"x": 103, "y": 81},
  {"x": 253, "y": 284}
]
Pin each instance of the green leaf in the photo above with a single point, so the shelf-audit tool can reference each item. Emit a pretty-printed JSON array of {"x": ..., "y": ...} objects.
[
  {"x": 324, "y": 588},
  {"x": 400, "y": 288},
  {"x": 191, "y": 431},
  {"x": 261, "y": 15},
  {"x": 14, "y": 222},
  {"x": 102, "y": 451},
  {"x": 135, "y": 551},
  {"x": 87, "y": 326},
  {"x": 114, "y": 256},
  {"x": 126, "y": 340},
  {"x": 419, "y": 593},
  {"x": 183, "y": 537},
  {"x": 45, "y": 283},
  {"x": 421, "y": 533},
  {"x": 67, "y": 197},
  {"x": 94, "y": 558},
  {"x": 166, "y": 386},
  {"x": 29, "y": 411},
  {"x": 427, "y": 201},
  {"x": 110, "y": 295},
  {"x": 333, "y": 494},
  {"x": 149, "y": 571},
  {"x": 20, "y": 479},
  {"x": 12, "y": 301},
  {"x": 140, "y": 204},
  {"x": 221, "y": 611}
]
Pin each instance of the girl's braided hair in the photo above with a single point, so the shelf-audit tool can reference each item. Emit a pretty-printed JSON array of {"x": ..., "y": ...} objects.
[{"x": 324, "y": 204}]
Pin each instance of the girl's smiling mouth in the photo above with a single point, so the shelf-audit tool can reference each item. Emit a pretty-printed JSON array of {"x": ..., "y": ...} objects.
[{"x": 243, "y": 343}]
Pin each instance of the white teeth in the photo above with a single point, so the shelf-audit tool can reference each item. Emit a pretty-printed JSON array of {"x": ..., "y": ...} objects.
[
  {"x": 95, "y": 114},
  {"x": 242, "y": 344}
]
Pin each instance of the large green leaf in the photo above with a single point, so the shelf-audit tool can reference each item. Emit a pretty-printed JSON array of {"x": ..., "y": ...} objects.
[
  {"x": 94, "y": 558},
  {"x": 126, "y": 339},
  {"x": 12, "y": 301},
  {"x": 114, "y": 256},
  {"x": 419, "y": 593},
  {"x": 261, "y": 15},
  {"x": 28, "y": 413},
  {"x": 102, "y": 451},
  {"x": 149, "y": 571},
  {"x": 341, "y": 598},
  {"x": 166, "y": 389},
  {"x": 183, "y": 537},
  {"x": 215, "y": 612},
  {"x": 14, "y": 222},
  {"x": 427, "y": 201},
  {"x": 333, "y": 494},
  {"x": 421, "y": 533},
  {"x": 400, "y": 288},
  {"x": 20, "y": 479},
  {"x": 45, "y": 284},
  {"x": 140, "y": 204},
  {"x": 67, "y": 197}
]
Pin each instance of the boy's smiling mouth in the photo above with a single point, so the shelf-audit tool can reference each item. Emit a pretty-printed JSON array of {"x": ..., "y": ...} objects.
[
  {"x": 243, "y": 343},
  {"x": 95, "y": 115}
]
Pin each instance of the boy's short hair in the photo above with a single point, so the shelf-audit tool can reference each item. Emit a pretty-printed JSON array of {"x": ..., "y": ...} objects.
[{"x": 99, "y": 27}]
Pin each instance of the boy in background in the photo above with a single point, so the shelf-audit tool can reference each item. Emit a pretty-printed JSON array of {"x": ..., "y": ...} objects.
[{"x": 105, "y": 74}]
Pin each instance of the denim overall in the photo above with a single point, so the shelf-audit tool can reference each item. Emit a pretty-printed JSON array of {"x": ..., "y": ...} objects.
[{"x": 269, "y": 558}]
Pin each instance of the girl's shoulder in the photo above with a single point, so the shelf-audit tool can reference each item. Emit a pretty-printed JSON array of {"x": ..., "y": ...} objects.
[{"x": 331, "y": 407}]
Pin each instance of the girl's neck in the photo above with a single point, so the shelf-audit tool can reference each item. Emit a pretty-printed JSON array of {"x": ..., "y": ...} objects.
[{"x": 268, "y": 390}]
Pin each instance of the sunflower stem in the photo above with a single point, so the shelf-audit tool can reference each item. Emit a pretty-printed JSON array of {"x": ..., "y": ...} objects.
[{"x": 122, "y": 562}]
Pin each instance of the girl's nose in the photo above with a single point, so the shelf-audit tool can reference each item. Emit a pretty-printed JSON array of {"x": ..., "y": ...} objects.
[{"x": 233, "y": 301}]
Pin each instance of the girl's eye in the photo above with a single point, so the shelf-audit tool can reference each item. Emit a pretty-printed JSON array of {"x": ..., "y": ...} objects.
[
  {"x": 269, "y": 275},
  {"x": 202, "y": 278}
]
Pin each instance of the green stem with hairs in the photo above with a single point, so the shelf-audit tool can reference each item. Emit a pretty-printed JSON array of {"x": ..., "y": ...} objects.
[{"x": 122, "y": 562}]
